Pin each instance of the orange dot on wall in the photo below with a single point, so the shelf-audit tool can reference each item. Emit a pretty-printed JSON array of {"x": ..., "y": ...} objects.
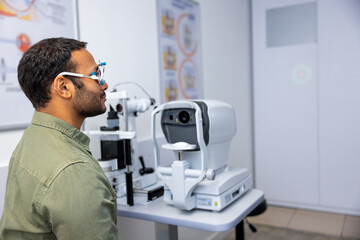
[{"x": 23, "y": 42}]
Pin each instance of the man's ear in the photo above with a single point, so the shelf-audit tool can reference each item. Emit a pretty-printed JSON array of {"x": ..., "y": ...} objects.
[{"x": 63, "y": 87}]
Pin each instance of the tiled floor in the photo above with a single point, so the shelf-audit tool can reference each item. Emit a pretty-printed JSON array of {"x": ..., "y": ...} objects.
[
  {"x": 275, "y": 233},
  {"x": 310, "y": 221}
]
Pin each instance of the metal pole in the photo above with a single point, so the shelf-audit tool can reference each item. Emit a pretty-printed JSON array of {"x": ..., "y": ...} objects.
[{"x": 239, "y": 231}]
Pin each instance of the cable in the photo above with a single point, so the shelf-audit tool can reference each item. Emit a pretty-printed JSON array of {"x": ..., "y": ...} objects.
[{"x": 129, "y": 82}]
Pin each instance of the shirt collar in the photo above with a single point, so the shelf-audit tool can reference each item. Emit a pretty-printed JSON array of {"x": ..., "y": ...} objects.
[{"x": 47, "y": 120}]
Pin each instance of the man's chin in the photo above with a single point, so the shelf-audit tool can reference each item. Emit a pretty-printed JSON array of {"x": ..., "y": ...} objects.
[{"x": 88, "y": 114}]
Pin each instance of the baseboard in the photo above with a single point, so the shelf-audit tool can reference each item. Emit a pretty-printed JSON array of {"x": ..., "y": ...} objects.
[{"x": 320, "y": 208}]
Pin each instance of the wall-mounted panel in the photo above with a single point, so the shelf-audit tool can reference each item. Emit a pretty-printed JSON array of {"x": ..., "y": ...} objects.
[
  {"x": 285, "y": 102},
  {"x": 306, "y": 97}
]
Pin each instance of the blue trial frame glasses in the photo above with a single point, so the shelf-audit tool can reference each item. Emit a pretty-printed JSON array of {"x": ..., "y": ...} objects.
[{"x": 98, "y": 75}]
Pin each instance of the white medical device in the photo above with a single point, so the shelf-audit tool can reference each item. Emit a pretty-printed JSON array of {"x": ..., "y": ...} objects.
[
  {"x": 199, "y": 132},
  {"x": 119, "y": 151}
]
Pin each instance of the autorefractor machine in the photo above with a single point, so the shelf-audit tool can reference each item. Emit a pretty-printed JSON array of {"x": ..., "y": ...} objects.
[{"x": 199, "y": 133}]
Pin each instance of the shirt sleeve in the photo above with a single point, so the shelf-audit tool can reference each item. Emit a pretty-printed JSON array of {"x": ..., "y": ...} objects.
[{"x": 79, "y": 204}]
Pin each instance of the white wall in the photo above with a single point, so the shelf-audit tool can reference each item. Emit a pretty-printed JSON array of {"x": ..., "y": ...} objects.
[
  {"x": 8, "y": 142},
  {"x": 124, "y": 34},
  {"x": 225, "y": 30}
]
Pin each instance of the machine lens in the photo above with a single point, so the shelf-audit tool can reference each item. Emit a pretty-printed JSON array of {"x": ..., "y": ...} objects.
[{"x": 184, "y": 117}]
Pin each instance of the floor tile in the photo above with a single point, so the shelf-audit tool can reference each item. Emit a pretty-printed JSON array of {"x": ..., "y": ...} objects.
[
  {"x": 274, "y": 216},
  {"x": 351, "y": 227},
  {"x": 275, "y": 233},
  {"x": 318, "y": 222}
]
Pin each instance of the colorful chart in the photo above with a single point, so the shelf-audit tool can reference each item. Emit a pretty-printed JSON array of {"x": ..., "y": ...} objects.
[
  {"x": 23, "y": 9},
  {"x": 23, "y": 23},
  {"x": 179, "y": 38}
]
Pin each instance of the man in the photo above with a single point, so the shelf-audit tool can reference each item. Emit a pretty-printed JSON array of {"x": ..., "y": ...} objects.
[{"x": 55, "y": 188}]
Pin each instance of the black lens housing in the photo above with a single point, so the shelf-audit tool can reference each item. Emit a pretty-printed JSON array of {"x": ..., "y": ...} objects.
[{"x": 184, "y": 117}]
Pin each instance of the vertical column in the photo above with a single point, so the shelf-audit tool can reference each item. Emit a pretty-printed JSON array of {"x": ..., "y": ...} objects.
[{"x": 165, "y": 231}]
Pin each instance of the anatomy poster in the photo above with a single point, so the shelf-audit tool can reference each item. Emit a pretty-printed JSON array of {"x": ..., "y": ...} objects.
[
  {"x": 23, "y": 23},
  {"x": 179, "y": 46}
]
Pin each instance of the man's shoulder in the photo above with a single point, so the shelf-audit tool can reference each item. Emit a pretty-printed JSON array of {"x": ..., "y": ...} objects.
[{"x": 45, "y": 152}]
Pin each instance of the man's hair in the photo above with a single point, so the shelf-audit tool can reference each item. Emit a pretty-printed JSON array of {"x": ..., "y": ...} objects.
[{"x": 40, "y": 65}]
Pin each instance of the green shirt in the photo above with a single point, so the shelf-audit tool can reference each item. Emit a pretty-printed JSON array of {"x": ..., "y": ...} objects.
[{"x": 55, "y": 189}]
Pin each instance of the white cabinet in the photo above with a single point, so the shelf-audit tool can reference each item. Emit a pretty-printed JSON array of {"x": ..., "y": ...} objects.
[
  {"x": 306, "y": 62},
  {"x": 339, "y": 103}
]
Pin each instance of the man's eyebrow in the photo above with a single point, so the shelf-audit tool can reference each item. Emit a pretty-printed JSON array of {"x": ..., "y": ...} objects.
[{"x": 95, "y": 68}]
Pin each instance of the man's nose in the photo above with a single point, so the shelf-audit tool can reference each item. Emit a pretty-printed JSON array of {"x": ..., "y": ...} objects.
[{"x": 104, "y": 86}]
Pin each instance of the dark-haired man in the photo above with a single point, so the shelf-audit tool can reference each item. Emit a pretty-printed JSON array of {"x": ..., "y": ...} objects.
[{"x": 55, "y": 188}]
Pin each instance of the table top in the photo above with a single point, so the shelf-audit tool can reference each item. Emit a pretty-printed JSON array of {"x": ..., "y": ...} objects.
[{"x": 159, "y": 211}]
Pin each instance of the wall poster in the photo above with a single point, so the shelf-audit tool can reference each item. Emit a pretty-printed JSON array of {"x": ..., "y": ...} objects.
[
  {"x": 23, "y": 23},
  {"x": 180, "y": 51}
]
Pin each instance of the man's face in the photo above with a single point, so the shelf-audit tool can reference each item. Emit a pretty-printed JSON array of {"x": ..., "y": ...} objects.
[{"x": 89, "y": 100}]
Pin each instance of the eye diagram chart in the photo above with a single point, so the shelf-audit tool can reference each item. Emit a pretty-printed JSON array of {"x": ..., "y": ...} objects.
[
  {"x": 16, "y": 8},
  {"x": 180, "y": 56},
  {"x": 23, "y": 23}
]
